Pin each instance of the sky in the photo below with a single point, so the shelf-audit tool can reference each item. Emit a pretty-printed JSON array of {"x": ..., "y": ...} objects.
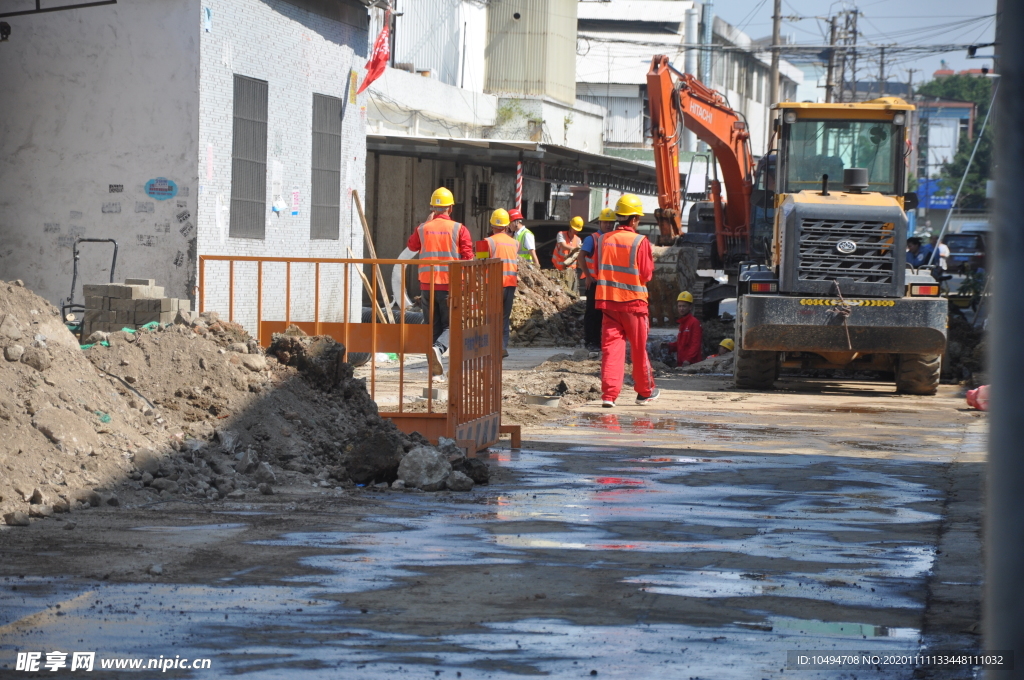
[{"x": 882, "y": 22}]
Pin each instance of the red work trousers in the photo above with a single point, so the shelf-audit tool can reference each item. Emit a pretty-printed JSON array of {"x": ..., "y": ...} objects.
[{"x": 618, "y": 328}]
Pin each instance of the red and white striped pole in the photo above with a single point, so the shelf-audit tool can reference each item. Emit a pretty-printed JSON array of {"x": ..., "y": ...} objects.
[{"x": 519, "y": 186}]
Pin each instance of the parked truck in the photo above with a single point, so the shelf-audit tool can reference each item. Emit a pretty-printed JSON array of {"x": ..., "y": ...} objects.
[{"x": 813, "y": 235}]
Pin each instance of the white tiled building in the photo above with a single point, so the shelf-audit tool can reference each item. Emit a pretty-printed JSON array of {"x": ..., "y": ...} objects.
[{"x": 183, "y": 128}]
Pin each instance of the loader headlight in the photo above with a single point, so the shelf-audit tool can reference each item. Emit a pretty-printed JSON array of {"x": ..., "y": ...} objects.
[
  {"x": 899, "y": 119},
  {"x": 789, "y": 117}
]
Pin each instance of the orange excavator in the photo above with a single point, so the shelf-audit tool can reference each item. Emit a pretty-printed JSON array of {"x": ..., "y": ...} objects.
[{"x": 677, "y": 100}]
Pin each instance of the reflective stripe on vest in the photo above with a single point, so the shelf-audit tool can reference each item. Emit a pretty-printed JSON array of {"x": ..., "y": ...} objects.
[
  {"x": 618, "y": 277},
  {"x": 562, "y": 250},
  {"x": 505, "y": 248},
  {"x": 439, "y": 240}
]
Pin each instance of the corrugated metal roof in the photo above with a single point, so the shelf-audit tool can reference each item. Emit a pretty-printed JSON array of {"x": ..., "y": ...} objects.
[{"x": 547, "y": 162}]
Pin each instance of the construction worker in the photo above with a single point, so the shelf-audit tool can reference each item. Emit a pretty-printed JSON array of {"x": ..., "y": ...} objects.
[
  {"x": 624, "y": 264},
  {"x": 724, "y": 347},
  {"x": 688, "y": 343},
  {"x": 592, "y": 315},
  {"x": 527, "y": 242},
  {"x": 439, "y": 238},
  {"x": 500, "y": 246},
  {"x": 567, "y": 252}
]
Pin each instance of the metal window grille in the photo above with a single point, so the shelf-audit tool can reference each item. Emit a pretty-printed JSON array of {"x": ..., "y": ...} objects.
[
  {"x": 249, "y": 159},
  {"x": 325, "y": 216}
]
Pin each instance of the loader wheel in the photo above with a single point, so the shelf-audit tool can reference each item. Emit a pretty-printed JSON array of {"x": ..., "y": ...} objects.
[
  {"x": 755, "y": 370},
  {"x": 918, "y": 373}
]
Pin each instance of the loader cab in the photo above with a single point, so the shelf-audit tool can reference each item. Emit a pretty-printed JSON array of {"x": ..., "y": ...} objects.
[
  {"x": 819, "y": 140},
  {"x": 762, "y": 206}
]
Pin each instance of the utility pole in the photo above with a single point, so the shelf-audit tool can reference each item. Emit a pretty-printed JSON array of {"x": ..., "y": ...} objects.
[
  {"x": 853, "y": 95},
  {"x": 910, "y": 83},
  {"x": 830, "y": 79},
  {"x": 881, "y": 72},
  {"x": 776, "y": 30}
]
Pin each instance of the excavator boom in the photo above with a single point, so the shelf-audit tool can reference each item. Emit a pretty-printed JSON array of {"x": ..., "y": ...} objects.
[{"x": 679, "y": 97}]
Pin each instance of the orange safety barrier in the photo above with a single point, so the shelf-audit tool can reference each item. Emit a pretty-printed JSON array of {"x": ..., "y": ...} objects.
[{"x": 472, "y": 416}]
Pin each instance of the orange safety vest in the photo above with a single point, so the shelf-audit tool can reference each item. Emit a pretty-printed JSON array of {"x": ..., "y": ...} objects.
[
  {"x": 505, "y": 248},
  {"x": 439, "y": 240},
  {"x": 562, "y": 250},
  {"x": 617, "y": 275}
]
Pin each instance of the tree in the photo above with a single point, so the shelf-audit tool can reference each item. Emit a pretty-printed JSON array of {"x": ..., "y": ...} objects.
[{"x": 967, "y": 88}]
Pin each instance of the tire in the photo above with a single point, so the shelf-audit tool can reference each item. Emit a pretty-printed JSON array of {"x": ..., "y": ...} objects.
[
  {"x": 918, "y": 373},
  {"x": 361, "y": 358},
  {"x": 755, "y": 370},
  {"x": 752, "y": 369}
]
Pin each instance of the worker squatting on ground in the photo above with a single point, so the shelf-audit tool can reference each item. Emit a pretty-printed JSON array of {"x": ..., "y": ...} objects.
[
  {"x": 624, "y": 264},
  {"x": 500, "y": 246},
  {"x": 725, "y": 347},
  {"x": 567, "y": 252},
  {"x": 439, "y": 238},
  {"x": 525, "y": 238},
  {"x": 592, "y": 315},
  {"x": 688, "y": 344}
]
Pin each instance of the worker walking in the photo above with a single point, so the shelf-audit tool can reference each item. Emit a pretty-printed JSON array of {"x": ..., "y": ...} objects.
[
  {"x": 500, "y": 246},
  {"x": 689, "y": 343},
  {"x": 592, "y": 315},
  {"x": 441, "y": 239},
  {"x": 525, "y": 238},
  {"x": 567, "y": 252},
  {"x": 624, "y": 264}
]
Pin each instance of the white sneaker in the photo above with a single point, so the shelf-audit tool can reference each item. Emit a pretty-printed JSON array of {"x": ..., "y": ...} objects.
[
  {"x": 647, "y": 400},
  {"x": 607, "y": 404}
]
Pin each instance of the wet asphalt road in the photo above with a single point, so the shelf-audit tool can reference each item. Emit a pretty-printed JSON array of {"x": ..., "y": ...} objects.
[{"x": 703, "y": 538}]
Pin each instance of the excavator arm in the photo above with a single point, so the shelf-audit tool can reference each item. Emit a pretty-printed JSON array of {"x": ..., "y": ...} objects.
[{"x": 706, "y": 113}]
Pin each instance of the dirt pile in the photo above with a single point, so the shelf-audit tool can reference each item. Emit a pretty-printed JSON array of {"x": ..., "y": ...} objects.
[
  {"x": 717, "y": 365},
  {"x": 544, "y": 313},
  {"x": 178, "y": 410}
]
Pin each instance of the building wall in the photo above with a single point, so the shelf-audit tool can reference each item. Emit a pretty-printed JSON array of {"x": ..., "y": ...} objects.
[
  {"x": 97, "y": 102},
  {"x": 406, "y": 103},
  {"x": 531, "y": 48},
  {"x": 445, "y": 37},
  {"x": 299, "y": 53}
]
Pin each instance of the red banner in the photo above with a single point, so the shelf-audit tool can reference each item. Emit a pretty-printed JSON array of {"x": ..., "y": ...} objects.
[{"x": 381, "y": 54}]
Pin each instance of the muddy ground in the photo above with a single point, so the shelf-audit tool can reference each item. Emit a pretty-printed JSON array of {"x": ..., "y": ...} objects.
[{"x": 702, "y": 536}]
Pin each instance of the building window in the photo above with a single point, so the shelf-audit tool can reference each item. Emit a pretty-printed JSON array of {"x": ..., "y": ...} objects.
[
  {"x": 249, "y": 159},
  {"x": 325, "y": 216}
]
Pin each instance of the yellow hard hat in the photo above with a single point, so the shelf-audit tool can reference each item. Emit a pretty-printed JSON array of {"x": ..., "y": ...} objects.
[
  {"x": 499, "y": 218},
  {"x": 441, "y": 198},
  {"x": 628, "y": 205},
  {"x": 576, "y": 223},
  {"x": 728, "y": 344},
  {"x": 685, "y": 297},
  {"x": 607, "y": 215}
]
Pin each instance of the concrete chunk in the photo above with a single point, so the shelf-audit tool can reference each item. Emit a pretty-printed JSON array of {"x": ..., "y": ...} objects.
[
  {"x": 167, "y": 305},
  {"x": 95, "y": 302},
  {"x": 140, "y": 282}
]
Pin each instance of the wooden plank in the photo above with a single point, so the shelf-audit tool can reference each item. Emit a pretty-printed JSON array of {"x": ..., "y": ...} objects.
[{"x": 373, "y": 254}]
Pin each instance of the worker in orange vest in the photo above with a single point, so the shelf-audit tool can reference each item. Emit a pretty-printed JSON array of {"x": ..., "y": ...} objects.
[
  {"x": 567, "y": 251},
  {"x": 592, "y": 315},
  {"x": 500, "y": 246},
  {"x": 624, "y": 264},
  {"x": 441, "y": 239}
]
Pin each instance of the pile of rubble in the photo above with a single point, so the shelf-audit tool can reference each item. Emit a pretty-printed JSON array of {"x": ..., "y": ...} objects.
[
  {"x": 544, "y": 313},
  {"x": 965, "y": 351},
  {"x": 192, "y": 410}
]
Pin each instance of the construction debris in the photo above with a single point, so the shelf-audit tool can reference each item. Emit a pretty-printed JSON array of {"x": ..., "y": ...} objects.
[
  {"x": 111, "y": 307},
  {"x": 175, "y": 410},
  {"x": 544, "y": 313}
]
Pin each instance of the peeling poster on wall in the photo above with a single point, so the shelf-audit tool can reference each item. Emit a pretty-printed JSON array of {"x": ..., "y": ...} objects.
[
  {"x": 111, "y": 207},
  {"x": 295, "y": 200},
  {"x": 161, "y": 188}
]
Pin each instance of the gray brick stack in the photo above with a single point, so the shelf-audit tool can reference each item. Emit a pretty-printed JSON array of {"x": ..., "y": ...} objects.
[{"x": 113, "y": 306}]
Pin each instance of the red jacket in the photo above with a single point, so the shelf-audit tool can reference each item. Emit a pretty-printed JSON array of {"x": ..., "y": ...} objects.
[
  {"x": 688, "y": 343},
  {"x": 645, "y": 263},
  {"x": 465, "y": 248}
]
